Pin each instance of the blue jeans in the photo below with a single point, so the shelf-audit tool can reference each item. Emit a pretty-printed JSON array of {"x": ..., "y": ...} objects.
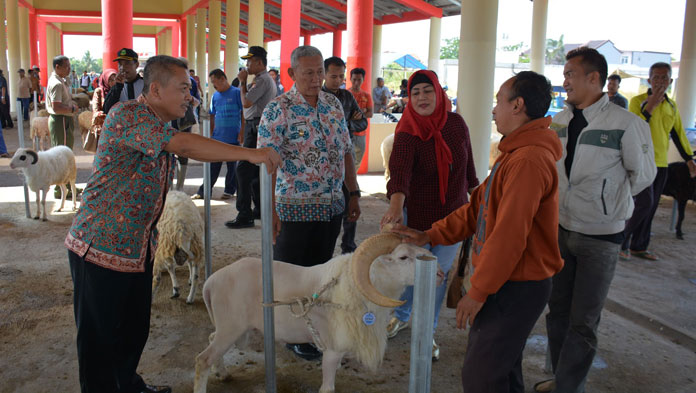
[
  {"x": 230, "y": 177},
  {"x": 25, "y": 106},
  {"x": 3, "y": 148}
]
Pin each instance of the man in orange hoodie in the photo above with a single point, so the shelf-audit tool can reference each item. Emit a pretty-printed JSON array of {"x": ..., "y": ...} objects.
[{"x": 513, "y": 217}]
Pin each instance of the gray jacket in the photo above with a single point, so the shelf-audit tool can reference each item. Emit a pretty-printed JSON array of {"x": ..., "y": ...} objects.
[{"x": 614, "y": 160}]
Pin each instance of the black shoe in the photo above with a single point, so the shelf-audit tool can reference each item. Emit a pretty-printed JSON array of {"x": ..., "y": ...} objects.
[
  {"x": 256, "y": 213},
  {"x": 156, "y": 389},
  {"x": 240, "y": 222},
  {"x": 305, "y": 351}
]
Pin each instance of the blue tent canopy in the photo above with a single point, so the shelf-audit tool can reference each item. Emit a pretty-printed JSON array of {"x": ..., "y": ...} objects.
[{"x": 408, "y": 61}]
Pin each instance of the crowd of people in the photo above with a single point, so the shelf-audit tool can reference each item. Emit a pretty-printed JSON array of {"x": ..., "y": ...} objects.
[{"x": 564, "y": 201}]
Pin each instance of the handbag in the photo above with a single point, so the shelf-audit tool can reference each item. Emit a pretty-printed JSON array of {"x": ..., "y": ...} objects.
[
  {"x": 456, "y": 288},
  {"x": 92, "y": 138}
]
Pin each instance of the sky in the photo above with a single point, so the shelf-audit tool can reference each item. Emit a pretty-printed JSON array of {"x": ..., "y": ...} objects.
[{"x": 646, "y": 25}]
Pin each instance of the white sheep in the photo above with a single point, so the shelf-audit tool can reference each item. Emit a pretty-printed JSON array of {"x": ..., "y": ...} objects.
[
  {"x": 38, "y": 130},
  {"x": 82, "y": 100},
  {"x": 361, "y": 294},
  {"x": 180, "y": 241},
  {"x": 44, "y": 169},
  {"x": 386, "y": 149}
]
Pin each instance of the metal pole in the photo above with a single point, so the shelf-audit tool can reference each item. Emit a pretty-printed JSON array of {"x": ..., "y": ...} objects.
[
  {"x": 20, "y": 132},
  {"x": 206, "y": 197},
  {"x": 36, "y": 113},
  {"x": 675, "y": 213},
  {"x": 422, "y": 325},
  {"x": 267, "y": 267}
]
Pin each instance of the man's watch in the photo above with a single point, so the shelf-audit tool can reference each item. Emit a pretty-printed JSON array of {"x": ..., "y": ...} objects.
[{"x": 355, "y": 193}]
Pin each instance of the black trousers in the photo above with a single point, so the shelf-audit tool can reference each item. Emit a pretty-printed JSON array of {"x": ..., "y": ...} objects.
[
  {"x": 493, "y": 361},
  {"x": 112, "y": 314},
  {"x": 248, "y": 174},
  {"x": 5, "y": 115},
  {"x": 638, "y": 227},
  {"x": 307, "y": 243},
  {"x": 349, "y": 228}
]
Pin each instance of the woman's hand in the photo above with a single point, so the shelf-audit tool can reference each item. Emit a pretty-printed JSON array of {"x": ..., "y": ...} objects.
[
  {"x": 394, "y": 215},
  {"x": 410, "y": 235}
]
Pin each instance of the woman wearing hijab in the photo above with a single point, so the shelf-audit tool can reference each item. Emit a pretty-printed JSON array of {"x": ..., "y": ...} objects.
[
  {"x": 106, "y": 80},
  {"x": 432, "y": 169}
]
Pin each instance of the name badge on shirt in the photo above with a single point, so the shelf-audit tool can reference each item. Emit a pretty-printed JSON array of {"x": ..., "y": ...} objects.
[{"x": 302, "y": 128}]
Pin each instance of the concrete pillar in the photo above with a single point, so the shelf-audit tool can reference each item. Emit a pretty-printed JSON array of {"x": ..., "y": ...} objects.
[
  {"x": 232, "y": 42},
  {"x": 306, "y": 39},
  {"x": 167, "y": 44},
  {"x": 51, "y": 50},
  {"x": 215, "y": 23},
  {"x": 359, "y": 19},
  {"x": 24, "y": 43},
  {"x": 337, "y": 42},
  {"x": 289, "y": 38},
  {"x": 3, "y": 42},
  {"x": 33, "y": 40},
  {"x": 117, "y": 28},
  {"x": 255, "y": 26},
  {"x": 13, "y": 50},
  {"x": 45, "y": 63},
  {"x": 476, "y": 72},
  {"x": 539, "y": 16},
  {"x": 376, "y": 58},
  {"x": 434, "y": 46},
  {"x": 191, "y": 40},
  {"x": 200, "y": 49},
  {"x": 686, "y": 83}
]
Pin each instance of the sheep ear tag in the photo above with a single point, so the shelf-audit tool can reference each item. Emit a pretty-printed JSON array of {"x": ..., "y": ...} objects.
[{"x": 369, "y": 318}]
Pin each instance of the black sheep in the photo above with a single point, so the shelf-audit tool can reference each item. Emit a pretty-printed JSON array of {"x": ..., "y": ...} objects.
[{"x": 682, "y": 187}]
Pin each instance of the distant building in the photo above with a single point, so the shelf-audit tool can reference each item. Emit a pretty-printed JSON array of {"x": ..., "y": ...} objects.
[{"x": 617, "y": 56}]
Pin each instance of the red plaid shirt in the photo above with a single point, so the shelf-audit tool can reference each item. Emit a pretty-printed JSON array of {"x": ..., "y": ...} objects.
[{"x": 413, "y": 168}]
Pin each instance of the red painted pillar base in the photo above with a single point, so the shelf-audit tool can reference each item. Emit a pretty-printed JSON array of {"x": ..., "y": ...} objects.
[
  {"x": 359, "y": 22},
  {"x": 289, "y": 38},
  {"x": 117, "y": 28}
]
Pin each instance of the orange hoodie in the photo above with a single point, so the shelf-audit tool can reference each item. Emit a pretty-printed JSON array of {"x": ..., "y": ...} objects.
[{"x": 513, "y": 215}]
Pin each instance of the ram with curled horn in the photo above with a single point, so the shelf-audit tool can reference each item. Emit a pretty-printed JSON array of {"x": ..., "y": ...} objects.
[{"x": 342, "y": 306}]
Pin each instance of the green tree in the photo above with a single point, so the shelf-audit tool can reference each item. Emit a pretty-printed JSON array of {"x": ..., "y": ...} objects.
[
  {"x": 451, "y": 49},
  {"x": 87, "y": 63},
  {"x": 555, "y": 51}
]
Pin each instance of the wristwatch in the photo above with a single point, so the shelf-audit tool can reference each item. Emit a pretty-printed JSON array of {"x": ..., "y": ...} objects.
[{"x": 355, "y": 193}]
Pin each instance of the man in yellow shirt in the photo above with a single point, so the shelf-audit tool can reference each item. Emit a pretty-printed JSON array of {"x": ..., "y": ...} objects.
[{"x": 665, "y": 123}]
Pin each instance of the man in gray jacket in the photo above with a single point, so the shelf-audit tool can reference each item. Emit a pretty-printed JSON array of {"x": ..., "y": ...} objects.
[{"x": 607, "y": 159}]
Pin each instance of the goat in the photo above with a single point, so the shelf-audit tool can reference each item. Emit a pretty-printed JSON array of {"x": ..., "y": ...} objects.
[
  {"x": 44, "y": 169},
  {"x": 180, "y": 229},
  {"x": 84, "y": 120},
  {"x": 682, "y": 187},
  {"x": 386, "y": 149},
  {"x": 359, "y": 289}
]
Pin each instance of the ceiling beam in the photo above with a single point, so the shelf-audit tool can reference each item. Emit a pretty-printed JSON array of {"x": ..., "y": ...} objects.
[
  {"x": 422, "y": 7},
  {"x": 335, "y": 4}
]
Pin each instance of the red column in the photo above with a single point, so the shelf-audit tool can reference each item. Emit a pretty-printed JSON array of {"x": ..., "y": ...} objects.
[
  {"x": 61, "y": 42},
  {"x": 44, "y": 61},
  {"x": 289, "y": 37},
  {"x": 182, "y": 35},
  {"x": 175, "y": 39},
  {"x": 307, "y": 39},
  {"x": 117, "y": 28},
  {"x": 157, "y": 45},
  {"x": 33, "y": 52},
  {"x": 359, "y": 22},
  {"x": 337, "y": 41}
]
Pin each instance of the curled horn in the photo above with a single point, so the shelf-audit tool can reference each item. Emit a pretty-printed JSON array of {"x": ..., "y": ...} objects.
[
  {"x": 34, "y": 155},
  {"x": 363, "y": 257}
]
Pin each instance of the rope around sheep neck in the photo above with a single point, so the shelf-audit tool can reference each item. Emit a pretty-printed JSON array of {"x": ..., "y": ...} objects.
[{"x": 306, "y": 303}]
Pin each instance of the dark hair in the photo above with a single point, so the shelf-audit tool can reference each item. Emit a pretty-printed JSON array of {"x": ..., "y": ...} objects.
[
  {"x": 192, "y": 70},
  {"x": 404, "y": 82},
  {"x": 274, "y": 70},
  {"x": 333, "y": 60},
  {"x": 616, "y": 77},
  {"x": 59, "y": 60},
  {"x": 357, "y": 70},
  {"x": 536, "y": 92},
  {"x": 660, "y": 64},
  {"x": 591, "y": 61},
  {"x": 380, "y": 79},
  {"x": 217, "y": 73},
  {"x": 159, "y": 68}
]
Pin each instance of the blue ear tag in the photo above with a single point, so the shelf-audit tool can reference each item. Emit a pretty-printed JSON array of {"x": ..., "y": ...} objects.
[{"x": 368, "y": 318}]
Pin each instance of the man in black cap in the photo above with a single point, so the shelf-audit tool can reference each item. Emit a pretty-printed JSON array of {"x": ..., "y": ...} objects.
[
  {"x": 127, "y": 77},
  {"x": 254, "y": 99}
]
